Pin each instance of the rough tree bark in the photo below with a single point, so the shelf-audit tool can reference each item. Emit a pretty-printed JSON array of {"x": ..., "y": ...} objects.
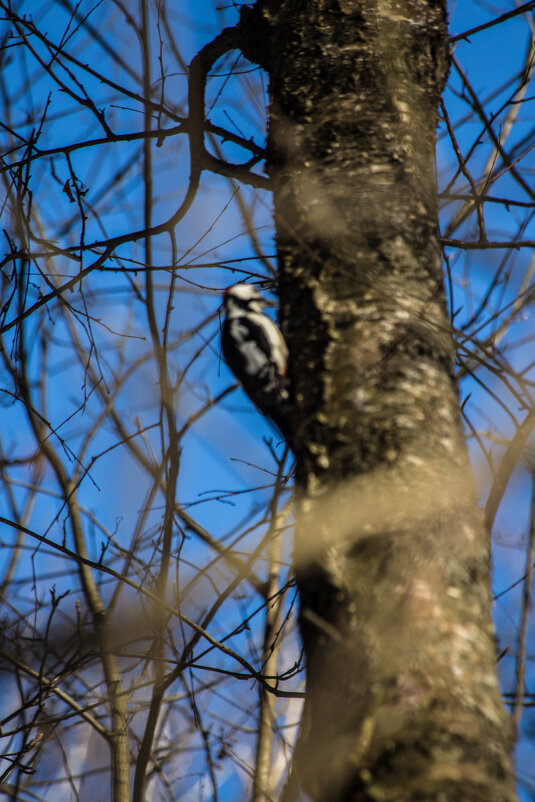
[{"x": 391, "y": 552}]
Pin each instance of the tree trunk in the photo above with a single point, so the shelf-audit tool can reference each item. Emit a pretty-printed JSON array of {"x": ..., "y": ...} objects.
[{"x": 391, "y": 552}]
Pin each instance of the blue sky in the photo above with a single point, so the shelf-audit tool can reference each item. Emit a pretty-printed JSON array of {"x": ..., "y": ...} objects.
[{"x": 225, "y": 452}]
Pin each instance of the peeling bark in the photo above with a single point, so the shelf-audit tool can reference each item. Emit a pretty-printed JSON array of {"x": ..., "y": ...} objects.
[{"x": 391, "y": 551}]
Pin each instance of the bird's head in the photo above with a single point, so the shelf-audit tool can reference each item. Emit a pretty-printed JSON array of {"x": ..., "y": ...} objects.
[{"x": 242, "y": 298}]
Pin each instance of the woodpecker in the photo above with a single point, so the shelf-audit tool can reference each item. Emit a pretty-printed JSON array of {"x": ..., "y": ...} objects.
[{"x": 255, "y": 351}]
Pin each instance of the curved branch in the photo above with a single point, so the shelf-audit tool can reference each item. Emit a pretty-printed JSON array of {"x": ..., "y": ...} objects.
[
  {"x": 228, "y": 39},
  {"x": 508, "y": 463}
]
